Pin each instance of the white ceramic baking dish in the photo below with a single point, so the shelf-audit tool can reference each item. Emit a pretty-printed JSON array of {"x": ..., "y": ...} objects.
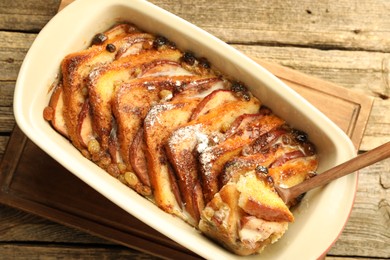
[{"x": 321, "y": 216}]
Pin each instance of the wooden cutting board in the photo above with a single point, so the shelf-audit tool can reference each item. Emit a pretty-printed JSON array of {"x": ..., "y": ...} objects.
[{"x": 32, "y": 181}]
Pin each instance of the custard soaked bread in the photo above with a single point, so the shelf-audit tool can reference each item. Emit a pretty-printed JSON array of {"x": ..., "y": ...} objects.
[{"x": 190, "y": 139}]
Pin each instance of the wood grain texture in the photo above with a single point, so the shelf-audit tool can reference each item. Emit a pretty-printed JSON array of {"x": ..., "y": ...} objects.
[
  {"x": 344, "y": 24},
  {"x": 17, "y": 226},
  {"x": 342, "y": 41},
  {"x": 21, "y": 15},
  {"x": 367, "y": 232},
  {"x": 3, "y": 145},
  {"x": 69, "y": 251}
]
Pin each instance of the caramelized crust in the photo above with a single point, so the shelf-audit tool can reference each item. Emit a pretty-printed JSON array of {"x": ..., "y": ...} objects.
[
  {"x": 75, "y": 67},
  {"x": 161, "y": 120},
  {"x": 242, "y": 132},
  {"x": 132, "y": 101},
  {"x": 182, "y": 144},
  {"x": 285, "y": 159},
  {"x": 102, "y": 82}
]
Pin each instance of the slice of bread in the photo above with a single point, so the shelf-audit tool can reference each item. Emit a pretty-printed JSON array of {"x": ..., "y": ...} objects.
[
  {"x": 76, "y": 66},
  {"x": 101, "y": 84},
  {"x": 186, "y": 143},
  {"x": 246, "y": 215},
  {"x": 161, "y": 120},
  {"x": 244, "y": 130}
]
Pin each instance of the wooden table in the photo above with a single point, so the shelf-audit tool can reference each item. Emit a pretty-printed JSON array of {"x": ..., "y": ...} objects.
[{"x": 346, "y": 42}]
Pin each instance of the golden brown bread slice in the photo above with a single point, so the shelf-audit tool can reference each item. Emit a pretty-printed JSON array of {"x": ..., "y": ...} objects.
[
  {"x": 186, "y": 142},
  {"x": 102, "y": 81},
  {"x": 128, "y": 45},
  {"x": 282, "y": 152},
  {"x": 161, "y": 120},
  {"x": 129, "y": 116},
  {"x": 243, "y": 131},
  {"x": 76, "y": 66},
  {"x": 215, "y": 99},
  {"x": 259, "y": 198},
  {"x": 246, "y": 214},
  {"x": 132, "y": 101}
]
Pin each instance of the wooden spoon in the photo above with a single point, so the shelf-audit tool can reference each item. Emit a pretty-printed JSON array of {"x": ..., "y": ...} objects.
[{"x": 359, "y": 162}]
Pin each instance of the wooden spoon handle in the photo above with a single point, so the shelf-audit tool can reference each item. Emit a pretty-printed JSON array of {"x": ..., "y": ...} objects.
[{"x": 359, "y": 162}]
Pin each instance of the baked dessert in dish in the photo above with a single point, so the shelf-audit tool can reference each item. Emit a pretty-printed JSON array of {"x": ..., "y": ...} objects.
[{"x": 185, "y": 136}]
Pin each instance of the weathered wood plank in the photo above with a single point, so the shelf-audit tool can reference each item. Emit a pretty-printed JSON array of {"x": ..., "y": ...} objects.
[
  {"x": 31, "y": 252},
  {"x": 330, "y": 257},
  {"x": 54, "y": 251},
  {"x": 17, "y": 226},
  {"x": 324, "y": 24},
  {"x": 6, "y": 93},
  {"x": 13, "y": 49},
  {"x": 367, "y": 232},
  {"x": 3, "y": 144},
  {"x": 329, "y": 24},
  {"x": 6, "y": 111},
  {"x": 378, "y": 127},
  {"x": 7, "y": 120},
  {"x": 364, "y": 71},
  {"x": 26, "y": 15}
]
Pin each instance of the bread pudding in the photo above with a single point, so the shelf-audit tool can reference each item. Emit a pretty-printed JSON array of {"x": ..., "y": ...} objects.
[{"x": 187, "y": 137}]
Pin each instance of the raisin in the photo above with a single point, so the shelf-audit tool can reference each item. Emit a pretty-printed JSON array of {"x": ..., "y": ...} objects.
[
  {"x": 270, "y": 180},
  {"x": 188, "y": 58},
  {"x": 265, "y": 110},
  {"x": 239, "y": 88},
  {"x": 203, "y": 62},
  {"x": 171, "y": 45},
  {"x": 110, "y": 47},
  {"x": 300, "y": 136},
  {"x": 309, "y": 149},
  {"x": 159, "y": 41},
  {"x": 99, "y": 39},
  {"x": 48, "y": 113},
  {"x": 262, "y": 169}
]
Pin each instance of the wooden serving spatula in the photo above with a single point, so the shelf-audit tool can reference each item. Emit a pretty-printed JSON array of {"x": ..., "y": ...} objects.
[{"x": 350, "y": 166}]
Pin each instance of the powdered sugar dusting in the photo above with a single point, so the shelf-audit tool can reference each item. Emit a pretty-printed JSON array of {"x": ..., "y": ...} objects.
[
  {"x": 206, "y": 159},
  {"x": 154, "y": 113},
  {"x": 207, "y": 152},
  {"x": 184, "y": 134},
  {"x": 203, "y": 141}
]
